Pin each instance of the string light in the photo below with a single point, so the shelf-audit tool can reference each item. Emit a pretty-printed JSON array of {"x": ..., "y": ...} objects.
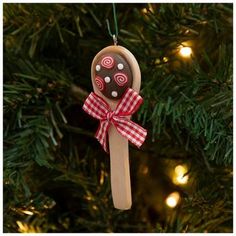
[
  {"x": 89, "y": 198},
  {"x": 173, "y": 199},
  {"x": 144, "y": 10},
  {"x": 182, "y": 179},
  {"x": 180, "y": 169},
  {"x": 180, "y": 176},
  {"x": 165, "y": 59},
  {"x": 185, "y": 51}
]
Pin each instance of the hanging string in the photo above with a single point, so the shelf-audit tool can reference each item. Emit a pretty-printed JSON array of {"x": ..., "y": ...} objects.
[{"x": 115, "y": 35}]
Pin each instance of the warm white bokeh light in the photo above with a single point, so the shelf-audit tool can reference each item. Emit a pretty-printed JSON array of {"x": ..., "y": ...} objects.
[
  {"x": 173, "y": 199},
  {"x": 182, "y": 179},
  {"x": 180, "y": 169},
  {"x": 165, "y": 59},
  {"x": 144, "y": 10},
  {"x": 180, "y": 176},
  {"x": 185, "y": 51}
]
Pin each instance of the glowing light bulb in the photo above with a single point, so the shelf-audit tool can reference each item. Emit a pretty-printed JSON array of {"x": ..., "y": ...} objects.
[
  {"x": 144, "y": 11},
  {"x": 182, "y": 179},
  {"x": 165, "y": 59},
  {"x": 180, "y": 170},
  {"x": 180, "y": 176},
  {"x": 89, "y": 198},
  {"x": 185, "y": 51},
  {"x": 173, "y": 199}
]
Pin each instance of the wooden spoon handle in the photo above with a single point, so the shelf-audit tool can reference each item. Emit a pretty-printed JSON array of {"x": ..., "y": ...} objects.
[
  {"x": 120, "y": 175},
  {"x": 118, "y": 145}
]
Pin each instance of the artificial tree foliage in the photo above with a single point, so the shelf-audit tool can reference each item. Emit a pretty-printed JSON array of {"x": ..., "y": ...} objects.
[{"x": 56, "y": 175}]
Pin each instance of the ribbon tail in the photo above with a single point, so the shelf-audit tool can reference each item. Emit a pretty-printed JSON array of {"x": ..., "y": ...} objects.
[
  {"x": 101, "y": 134},
  {"x": 132, "y": 131}
]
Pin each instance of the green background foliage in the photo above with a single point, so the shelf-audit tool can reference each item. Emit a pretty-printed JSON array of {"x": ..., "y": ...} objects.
[{"x": 56, "y": 176}]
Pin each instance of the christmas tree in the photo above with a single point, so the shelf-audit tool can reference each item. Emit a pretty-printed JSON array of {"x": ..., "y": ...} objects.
[{"x": 57, "y": 176}]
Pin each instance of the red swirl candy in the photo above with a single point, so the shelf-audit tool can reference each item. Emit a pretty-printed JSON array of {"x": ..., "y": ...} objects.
[
  {"x": 107, "y": 62},
  {"x": 121, "y": 79},
  {"x": 100, "y": 83}
]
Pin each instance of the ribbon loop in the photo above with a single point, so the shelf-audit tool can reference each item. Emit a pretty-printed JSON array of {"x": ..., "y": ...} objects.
[{"x": 99, "y": 109}]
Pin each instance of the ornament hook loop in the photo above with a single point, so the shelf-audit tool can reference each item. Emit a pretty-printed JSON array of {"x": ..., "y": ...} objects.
[
  {"x": 114, "y": 40},
  {"x": 115, "y": 35}
]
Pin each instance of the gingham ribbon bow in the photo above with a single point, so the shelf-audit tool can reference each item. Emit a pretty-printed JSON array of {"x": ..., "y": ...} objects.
[{"x": 99, "y": 109}]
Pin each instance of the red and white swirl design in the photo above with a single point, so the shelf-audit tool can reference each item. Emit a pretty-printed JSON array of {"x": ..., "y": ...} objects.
[
  {"x": 100, "y": 83},
  {"x": 107, "y": 62},
  {"x": 121, "y": 79}
]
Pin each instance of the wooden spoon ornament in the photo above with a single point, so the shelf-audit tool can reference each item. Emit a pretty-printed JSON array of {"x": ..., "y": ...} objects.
[{"x": 116, "y": 81}]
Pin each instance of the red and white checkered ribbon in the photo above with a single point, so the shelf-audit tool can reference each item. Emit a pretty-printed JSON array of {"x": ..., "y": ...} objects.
[{"x": 99, "y": 109}]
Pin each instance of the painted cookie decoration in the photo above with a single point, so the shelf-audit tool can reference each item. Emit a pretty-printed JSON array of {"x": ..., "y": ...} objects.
[
  {"x": 121, "y": 79},
  {"x": 113, "y": 75},
  {"x": 100, "y": 83},
  {"x": 107, "y": 62}
]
